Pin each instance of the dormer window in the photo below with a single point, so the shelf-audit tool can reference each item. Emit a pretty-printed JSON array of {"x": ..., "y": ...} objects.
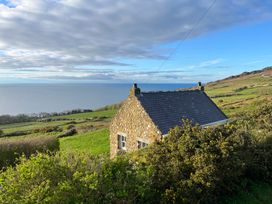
[{"x": 121, "y": 142}]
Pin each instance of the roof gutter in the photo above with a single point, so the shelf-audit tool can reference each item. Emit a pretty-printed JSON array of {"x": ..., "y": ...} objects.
[{"x": 220, "y": 122}]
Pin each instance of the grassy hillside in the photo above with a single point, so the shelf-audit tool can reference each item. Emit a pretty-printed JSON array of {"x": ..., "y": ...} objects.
[{"x": 241, "y": 92}]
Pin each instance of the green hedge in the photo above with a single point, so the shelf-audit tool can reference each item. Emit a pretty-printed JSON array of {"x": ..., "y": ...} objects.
[{"x": 12, "y": 149}]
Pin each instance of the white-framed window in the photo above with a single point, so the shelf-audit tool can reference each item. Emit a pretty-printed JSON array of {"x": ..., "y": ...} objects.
[
  {"x": 141, "y": 144},
  {"x": 121, "y": 142}
]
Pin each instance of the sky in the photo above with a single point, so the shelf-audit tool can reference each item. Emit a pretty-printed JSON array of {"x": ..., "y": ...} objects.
[{"x": 124, "y": 41}]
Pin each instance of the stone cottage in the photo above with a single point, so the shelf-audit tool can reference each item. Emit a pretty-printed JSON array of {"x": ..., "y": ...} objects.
[{"x": 146, "y": 117}]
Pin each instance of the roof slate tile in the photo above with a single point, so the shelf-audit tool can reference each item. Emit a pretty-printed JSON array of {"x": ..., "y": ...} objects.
[{"x": 167, "y": 109}]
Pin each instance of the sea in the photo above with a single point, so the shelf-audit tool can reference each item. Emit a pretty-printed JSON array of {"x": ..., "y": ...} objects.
[{"x": 36, "y": 98}]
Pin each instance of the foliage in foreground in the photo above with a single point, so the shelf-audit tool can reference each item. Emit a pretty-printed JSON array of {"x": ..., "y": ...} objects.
[
  {"x": 257, "y": 193},
  {"x": 70, "y": 178},
  {"x": 201, "y": 165},
  {"x": 192, "y": 165},
  {"x": 11, "y": 150}
]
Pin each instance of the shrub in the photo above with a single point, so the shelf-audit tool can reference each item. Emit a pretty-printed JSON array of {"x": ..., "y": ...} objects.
[
  {"x": 87, "y": 128},
  {"x": 16, "y": 133},
  {"x": 49, "y": 179},
  {"x": 260, "y": 166},
  {"x": 99, "y": 118},
  {"x": 197, "y": 165},
  {"x": 73, "y": 178},
  {"x": 122, "y": 181},
  {"x": 240, "y": 89},
  {"x": 259, "y": 124},
  {"x": 70, "y": 127},
  {"x": 11, "y": 149},
  {"x": 48, "y": 129},
  {"x": 225, "y": 95},
  {"x": 69, "y": 132}
]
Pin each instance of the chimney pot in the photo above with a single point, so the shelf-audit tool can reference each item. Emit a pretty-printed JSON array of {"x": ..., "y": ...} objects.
[
  {"x": 135, "y": 90},
  {"x": 200, "y": 86}
]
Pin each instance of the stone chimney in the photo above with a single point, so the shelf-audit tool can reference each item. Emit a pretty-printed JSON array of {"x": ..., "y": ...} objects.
[
  {"x": 134, "y": 91},
  {"x": 200, "y": 86}
]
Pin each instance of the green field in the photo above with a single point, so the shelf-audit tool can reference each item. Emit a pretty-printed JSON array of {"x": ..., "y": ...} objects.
[
  {"x": 95, "y": 142},
  {"x": 92, "y": 131}
]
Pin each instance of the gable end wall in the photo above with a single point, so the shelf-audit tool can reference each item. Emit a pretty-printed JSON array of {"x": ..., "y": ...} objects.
[{"x": 133, "y": 121}]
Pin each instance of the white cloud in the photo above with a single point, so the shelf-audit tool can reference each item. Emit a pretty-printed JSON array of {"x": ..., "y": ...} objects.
[
  {"x": 63, "y": 34},
  {"x": 206, "y": 64}
]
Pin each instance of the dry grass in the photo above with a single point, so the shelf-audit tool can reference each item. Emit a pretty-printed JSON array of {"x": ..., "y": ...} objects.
[{"x": 11, "y": 149}]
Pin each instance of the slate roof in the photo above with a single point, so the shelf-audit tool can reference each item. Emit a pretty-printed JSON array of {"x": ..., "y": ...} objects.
[{"x": 167, "y": 109}]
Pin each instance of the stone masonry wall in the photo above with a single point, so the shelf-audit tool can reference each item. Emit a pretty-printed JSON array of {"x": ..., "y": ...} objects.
[{"x": 135, "y": 123}]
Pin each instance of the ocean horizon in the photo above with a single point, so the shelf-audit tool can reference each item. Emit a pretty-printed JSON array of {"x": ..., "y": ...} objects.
[{"x": 36, "y": 98}]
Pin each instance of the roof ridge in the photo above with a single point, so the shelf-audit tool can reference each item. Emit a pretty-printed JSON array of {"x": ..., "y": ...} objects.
[{"x": 175, "y": 91}]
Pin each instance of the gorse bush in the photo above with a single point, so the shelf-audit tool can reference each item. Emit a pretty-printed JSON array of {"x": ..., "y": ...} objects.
[
  {"x": 192, "y": 165},
  {"x": 70, "y": 178},
  {"x": 47, "y": 179},
  {"x": 258, "y": 123},
  {"x": 195, "y": 164},
  {"x": 12, "y": 149}
]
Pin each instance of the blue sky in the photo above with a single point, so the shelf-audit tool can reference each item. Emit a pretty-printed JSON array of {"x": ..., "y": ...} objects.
[{"x": 58, "y": 41}]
